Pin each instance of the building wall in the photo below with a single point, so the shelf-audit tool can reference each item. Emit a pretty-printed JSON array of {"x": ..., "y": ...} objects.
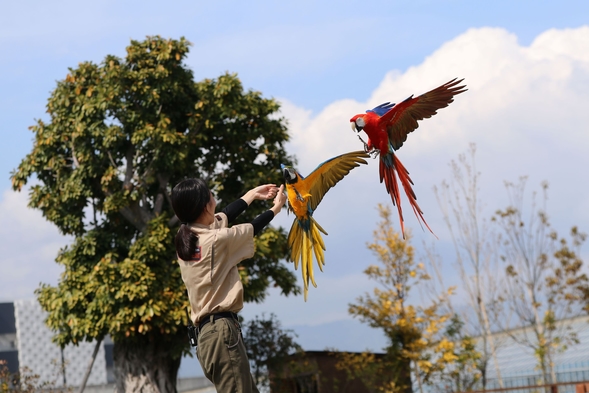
[
  {"x": 314, "y": 372},
  {"x": 39, "y": 354},
  {"x": 518, "y": 365}
]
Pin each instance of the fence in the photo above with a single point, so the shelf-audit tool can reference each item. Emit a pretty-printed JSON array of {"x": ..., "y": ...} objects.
[{"x": 560, "y": 387}]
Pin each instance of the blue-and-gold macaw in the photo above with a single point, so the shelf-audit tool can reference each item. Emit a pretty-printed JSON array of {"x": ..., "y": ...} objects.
[
  {"x": 387, "y": 127},
  {"x": 304, "y": 195}
]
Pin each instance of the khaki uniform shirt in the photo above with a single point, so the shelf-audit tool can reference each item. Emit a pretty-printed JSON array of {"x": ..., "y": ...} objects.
[{"x": 213, "y": 280}]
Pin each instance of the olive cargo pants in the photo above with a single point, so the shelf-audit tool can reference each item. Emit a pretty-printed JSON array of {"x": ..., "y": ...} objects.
[{"x": 222, "y": 356}]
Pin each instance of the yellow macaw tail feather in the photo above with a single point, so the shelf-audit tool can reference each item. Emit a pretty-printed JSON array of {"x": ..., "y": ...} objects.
[
  {"x": 316, "y": 224},
  {"x": 304, "y": 261},
  {"x": 318, "y": 244},
  {"x": 304, "y": 242},
  {"x": 295, "y": 243},
  {"x": 309, "y": 251}
]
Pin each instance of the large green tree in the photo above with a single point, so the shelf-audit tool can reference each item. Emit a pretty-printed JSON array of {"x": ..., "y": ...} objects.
[{"x": 120, "y": 135}]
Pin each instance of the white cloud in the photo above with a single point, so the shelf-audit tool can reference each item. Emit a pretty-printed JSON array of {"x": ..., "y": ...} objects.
[
  {"x": 320, "y": 137},
  {"x": 565, "y": 43},
  {"x": 28, "y": 245}
]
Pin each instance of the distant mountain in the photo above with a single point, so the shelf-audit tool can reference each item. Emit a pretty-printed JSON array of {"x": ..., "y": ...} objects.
[{"x": 346, "y": 335}]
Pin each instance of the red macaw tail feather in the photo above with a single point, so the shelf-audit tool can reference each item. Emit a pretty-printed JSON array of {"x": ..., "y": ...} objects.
[
  {"x": 390, "y": 168},
  {"x": 387, "y": 173}
]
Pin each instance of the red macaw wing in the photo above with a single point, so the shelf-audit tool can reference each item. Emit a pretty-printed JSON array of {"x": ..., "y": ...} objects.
[
  {"x": 327, "y": 174},
  {"x": 402, "y": 118}
]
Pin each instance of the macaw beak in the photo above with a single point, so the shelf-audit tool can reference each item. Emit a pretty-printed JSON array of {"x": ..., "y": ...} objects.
[
  {"x": 289, "y": 175},
  {"x": 357, "y": 124}
]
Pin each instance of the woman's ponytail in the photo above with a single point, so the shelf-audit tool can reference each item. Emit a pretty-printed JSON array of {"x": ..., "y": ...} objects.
[
  {"x": 186, "y": 243},
  {"x": 189, "y": 199}
]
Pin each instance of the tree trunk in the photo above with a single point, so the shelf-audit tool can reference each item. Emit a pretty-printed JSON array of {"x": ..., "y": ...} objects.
[
  {"x": 405, "y": 381},
  {"x": 418, "y": 378},
  {"x": 89, "y": 368},
  {"x": 400, "y": 372},
  {"x": 488, "y": 334},
  {"x": 146, "y": 365}
]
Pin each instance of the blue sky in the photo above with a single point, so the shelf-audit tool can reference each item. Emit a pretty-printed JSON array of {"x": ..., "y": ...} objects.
[{"x": 526, "y": 64}]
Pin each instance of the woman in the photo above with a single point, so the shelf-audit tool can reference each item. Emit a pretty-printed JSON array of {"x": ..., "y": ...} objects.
[{"x": 208, "y": 253}]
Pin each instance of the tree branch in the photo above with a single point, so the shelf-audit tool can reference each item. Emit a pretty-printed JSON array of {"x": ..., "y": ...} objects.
[
  {"x": 159, "y": 200},
  {"x": 74, "y": 159},
  {"x": 129, "y": 170},
  {"x": 133, "y": 215}
]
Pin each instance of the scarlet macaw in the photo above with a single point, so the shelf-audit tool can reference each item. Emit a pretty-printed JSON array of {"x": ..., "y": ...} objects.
[
  {"x": 387, "y": 127},
  {"x": 304, "y": 194}
]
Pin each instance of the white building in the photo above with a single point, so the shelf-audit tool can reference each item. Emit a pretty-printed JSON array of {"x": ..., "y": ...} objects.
[
  {"x": 25, "y": 342},
  {"x": 518, "y": 365}
]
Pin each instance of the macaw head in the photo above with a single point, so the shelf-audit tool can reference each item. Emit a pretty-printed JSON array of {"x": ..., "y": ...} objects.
[
  {"x": 289, "y": 174},
  {"x": 357, "y": 123}
]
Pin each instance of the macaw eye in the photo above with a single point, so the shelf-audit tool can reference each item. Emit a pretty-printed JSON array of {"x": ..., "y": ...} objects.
[{"x": 360, "y": 124}]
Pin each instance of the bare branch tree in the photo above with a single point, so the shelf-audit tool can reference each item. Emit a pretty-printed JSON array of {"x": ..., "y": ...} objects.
[
  {"x": 543, "y": 274},
  {"x": 476, "y": 258}
]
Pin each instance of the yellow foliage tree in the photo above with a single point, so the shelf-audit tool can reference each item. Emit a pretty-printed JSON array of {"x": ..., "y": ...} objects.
[{"x": 414, "y": 331}]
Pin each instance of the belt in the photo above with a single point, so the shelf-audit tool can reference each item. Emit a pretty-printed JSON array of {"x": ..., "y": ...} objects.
[{"x": 207, "y": 318}]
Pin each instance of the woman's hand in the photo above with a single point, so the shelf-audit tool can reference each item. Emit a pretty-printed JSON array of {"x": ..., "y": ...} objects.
[
  {"x": 266, "y": 191},
  {"x": 279, "y": 200},
  {"x": 263, "y": 192}
]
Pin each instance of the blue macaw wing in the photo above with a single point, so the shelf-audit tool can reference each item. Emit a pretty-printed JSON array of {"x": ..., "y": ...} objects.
[{"x": 382, "y": 108}]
